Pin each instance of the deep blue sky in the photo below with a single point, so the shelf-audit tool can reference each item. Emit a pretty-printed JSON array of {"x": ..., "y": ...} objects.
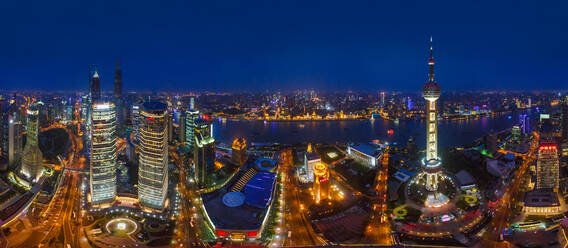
[{"x": 255, "y": 45}]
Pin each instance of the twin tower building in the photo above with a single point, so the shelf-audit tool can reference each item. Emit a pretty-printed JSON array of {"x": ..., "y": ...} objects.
[{"x": 152, "y": 134}]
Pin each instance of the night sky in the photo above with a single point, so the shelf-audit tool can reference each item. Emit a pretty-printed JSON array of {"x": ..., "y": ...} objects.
[{"x": 264, "y": 45}]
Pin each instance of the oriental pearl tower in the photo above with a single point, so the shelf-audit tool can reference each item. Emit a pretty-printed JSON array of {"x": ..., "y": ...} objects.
[{"x": 431, "y": 165}]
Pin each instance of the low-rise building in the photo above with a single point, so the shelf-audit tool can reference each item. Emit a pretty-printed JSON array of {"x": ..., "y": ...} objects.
[
  {"x": 365, "y": 154},
  {"x": 541, "y": 202}
]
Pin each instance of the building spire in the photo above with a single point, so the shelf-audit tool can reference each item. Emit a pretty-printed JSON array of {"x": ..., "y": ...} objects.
[{"x": 431, "y": 63}]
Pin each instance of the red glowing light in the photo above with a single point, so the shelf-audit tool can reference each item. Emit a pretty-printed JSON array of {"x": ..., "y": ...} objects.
[
  {"x": 252, "y": 234},
  {"x": 206, "y": 117},
  {"x": 149, "y": 118},
  {"x": 547, "y": 147},
  {"x": 221, "y": 233},
  {"x": 390, "y": 132},
  {"x": 324, "y": 180}
]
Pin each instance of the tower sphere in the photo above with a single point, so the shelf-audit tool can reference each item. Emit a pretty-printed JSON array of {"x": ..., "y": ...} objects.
[{"x": 431, "y": 91}]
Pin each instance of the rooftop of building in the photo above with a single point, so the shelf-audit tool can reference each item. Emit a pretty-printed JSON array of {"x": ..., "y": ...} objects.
[
  {"x": 541, "y": 198},
  {"x": 243, "y": 202},
  {"x": 154, "y": 106},
  {"x": 312, "y": 156},
  {"x": 367, "y": 149},
  {"x": 464, "y": 178}
]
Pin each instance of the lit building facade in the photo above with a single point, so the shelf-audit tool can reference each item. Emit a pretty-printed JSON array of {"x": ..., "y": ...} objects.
[
  {"x": 365, "y": 154},
  {"x": 547, "y": 167},
  {"x": 203, "y": 151},
  {"x": 135, "y": 119},
  {"x": 191, "y": 116},
  {"x": 431, "y": 165},
  {"x": 32, "y": 158},
  {"x": 239, "y": 151},
  {"x": 103, "y": 153},
  {"x": 321, "y": 182},
  {"x": 153, "y": 157}
]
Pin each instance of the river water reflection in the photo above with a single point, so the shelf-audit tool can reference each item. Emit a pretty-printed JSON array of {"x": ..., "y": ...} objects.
[{"x": 451, "y": 133}]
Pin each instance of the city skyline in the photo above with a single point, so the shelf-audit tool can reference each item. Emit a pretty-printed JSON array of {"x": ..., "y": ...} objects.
[
  {"x": 220, "y": 46},
  {"x": 283, "y": 124}
]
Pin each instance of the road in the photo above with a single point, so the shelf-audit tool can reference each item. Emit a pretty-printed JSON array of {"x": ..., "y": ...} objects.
[
  {"x": 513, "y": 194},
  {"x": 295, "y": 229},
  {"x": 58, "y": 216},
  {"x": 187, "y": 233},
  {"x": 378, "y": 231}
]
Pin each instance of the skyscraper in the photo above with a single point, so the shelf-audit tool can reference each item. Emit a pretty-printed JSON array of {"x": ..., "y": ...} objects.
[
  {"x": 182, "y": 132},
  {"x": 170, "y": 119},
  {"x": 547, "y": 166},
  {"x": 432, "y": 163},
  {"x": 96, "y": 90},
  {"x": 117, "y": 95},
  {"x": 14, "y": 139},
  {"x": 524, "y": 123},
  {"x": 191, "y": 116},
  {"x": 203, "y": 151},
  {"x": 135, "y": 119},
  {"x": 117, "y": 81},
  {"x": 564, "y": 123},
  {"x": 103, "y": 153},
  {"x": 32, "y": 158},
  {"x": 3, "y": 129},
  {"x": 153, "y": 164}
]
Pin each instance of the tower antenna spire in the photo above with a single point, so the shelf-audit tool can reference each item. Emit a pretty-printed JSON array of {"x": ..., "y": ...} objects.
[{"x": 431, "y": 63}]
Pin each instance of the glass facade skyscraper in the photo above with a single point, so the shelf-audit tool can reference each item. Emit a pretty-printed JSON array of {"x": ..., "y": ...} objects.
[
  {"x": 103, "y": 153},
  {"x": 153, "y": 164},
  {"x": 191, "y": 116},
  {"x": 32, "y": 158},
  {"x": 203, "y": 151},
  {"x": 14, "y": 139},
  {"x": 135, "y": 115}
]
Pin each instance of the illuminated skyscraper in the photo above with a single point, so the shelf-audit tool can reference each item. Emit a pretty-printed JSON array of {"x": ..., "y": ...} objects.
[
  {"x": 32, "y": 158},
  {"x": 524, "y": 123},
  {"x": 135, "y": 119},
  {"x": 203, "y": 151},
  {"x": 547, "y": 166},
  {"x": 191, "y": 116},
  {"x": 96, "y": 93},
  {"x": 103, "y": 153},
  {"x": 432, "y": 163},
  {"x": 153, "y": 164}
]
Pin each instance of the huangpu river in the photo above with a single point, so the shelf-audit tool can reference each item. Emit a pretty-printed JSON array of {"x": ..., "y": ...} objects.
[{"x": 451, "y": 133}]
